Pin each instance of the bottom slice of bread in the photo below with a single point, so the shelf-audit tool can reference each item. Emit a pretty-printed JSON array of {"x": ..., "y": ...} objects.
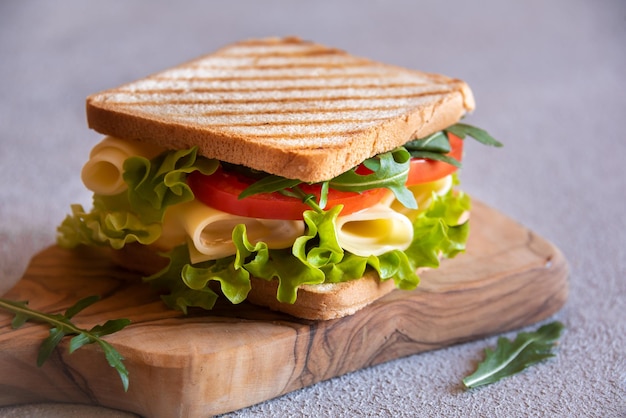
[
  {"x": 315, "y": 302},
  {"x": 322, "y": 301}
]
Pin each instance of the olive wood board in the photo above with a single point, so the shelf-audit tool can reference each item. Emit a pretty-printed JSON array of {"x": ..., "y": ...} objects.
[{"x": 214, "y": 362}]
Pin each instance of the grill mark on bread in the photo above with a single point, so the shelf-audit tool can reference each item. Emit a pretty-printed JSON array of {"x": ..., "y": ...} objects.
[
  {"x": 285, "y": 66},
  {"x": 247, "y": 100},
  {"x": 269, "y": 88},
  {"x": 234, "y": 77},
  {"x": 312, "y": 111},
  {"x": 298, "y": 122},
  {"x": 199, "y": 73},
  {"x": 272, "y": 41},
  {"x": 292, "y": 112},
  {"x": 287, "y": 136},
  {"x": 312, "y": 51},
  {"x": 260, "y": 101}
]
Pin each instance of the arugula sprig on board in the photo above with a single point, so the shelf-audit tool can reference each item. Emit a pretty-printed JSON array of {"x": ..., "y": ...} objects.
[
  {"x": 387, "y": 170},
  {"x": 512, "y": 357},
  {"x": 61, "y": 325}
]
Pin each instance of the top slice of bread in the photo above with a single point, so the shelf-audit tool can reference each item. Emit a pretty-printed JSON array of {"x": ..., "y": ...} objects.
[{"x": 282, "y": 105}]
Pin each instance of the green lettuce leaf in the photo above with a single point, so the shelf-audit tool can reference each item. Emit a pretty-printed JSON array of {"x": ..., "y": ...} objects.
[
  {"x": 292, "y": 273},
  {"x": 180, "y": 296},
  {"x": 321, "y": 231},
  {"x": 108, "y": 223},
  {"x": 395, "y": 264},
  {"x": 316, "y": 257},
  {"x": 136, "y": 214},
  {"x": 155, "y": 184},
  {"x": 350, "y": 267},
  {"x": 436, "y": 233}
]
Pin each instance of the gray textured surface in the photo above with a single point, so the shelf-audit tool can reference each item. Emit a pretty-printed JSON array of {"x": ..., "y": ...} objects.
[{"x": 549, "y": 79}]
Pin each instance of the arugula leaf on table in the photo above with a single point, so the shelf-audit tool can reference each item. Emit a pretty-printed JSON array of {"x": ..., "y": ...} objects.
[
  {"x": 512, "y": 357},
  {"x": 61, "y": 325}
]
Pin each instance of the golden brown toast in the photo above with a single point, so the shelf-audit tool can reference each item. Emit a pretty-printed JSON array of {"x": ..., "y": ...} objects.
[{"x": 284, "y": 106}]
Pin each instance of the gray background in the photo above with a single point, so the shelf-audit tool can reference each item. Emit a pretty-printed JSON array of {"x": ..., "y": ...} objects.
[{"x": 549, "y": 80}]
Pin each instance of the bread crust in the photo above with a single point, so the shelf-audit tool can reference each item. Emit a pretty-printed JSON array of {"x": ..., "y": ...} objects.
[{"x": 314, "y": 125}]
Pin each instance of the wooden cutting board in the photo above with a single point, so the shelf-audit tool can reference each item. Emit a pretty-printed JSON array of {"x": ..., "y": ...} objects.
[{"x": 236, "y": 356}]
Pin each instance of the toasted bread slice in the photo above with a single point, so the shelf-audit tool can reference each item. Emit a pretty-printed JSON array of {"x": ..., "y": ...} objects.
[
  {"x": 322, "y": 301},
  {"x": 314, "y": 302},
  {"x": 284, "y": 106}
]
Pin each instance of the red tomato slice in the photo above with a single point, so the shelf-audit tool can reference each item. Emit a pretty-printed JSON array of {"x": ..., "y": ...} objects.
[
  {"x": 221, "y": 191},
  {"x": 424, "y": 171}
]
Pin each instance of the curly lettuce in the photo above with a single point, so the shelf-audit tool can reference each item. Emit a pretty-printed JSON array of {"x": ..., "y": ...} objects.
[
  {"x": 136, "y": 214},
  {"x": 315, "y": 258},
  {"x": 110, "y": 222}
]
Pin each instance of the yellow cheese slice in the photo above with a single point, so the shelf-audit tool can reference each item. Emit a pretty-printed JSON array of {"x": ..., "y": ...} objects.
[
  {"x": 423, "y": 194},
  {"x": 102, "y": 173},
  {"x": 210, "y": 231},
  {"x": 374, "y": 231}
]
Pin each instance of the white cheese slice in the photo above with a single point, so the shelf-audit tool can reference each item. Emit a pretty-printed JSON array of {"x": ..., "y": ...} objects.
[
  {"x": 423, "y": 194},
  {"x": 210, "y": 231},
  {"x": 102, "y": 173},
  {"x": 374, "y": 231},
  {"x": 172, "y": 233}
]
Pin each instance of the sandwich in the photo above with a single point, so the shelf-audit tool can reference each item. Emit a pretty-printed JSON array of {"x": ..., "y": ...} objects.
[{"x": 279, "y": 171}]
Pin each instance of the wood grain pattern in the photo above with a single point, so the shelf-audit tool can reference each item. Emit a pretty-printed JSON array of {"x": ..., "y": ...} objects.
[{"x": 235, "y": 356}]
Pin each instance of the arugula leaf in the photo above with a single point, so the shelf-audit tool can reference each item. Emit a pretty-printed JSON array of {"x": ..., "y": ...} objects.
[
  {"x": 269, "y": 184},
  {"x": 437, "y": 142},
  {"x": 436, "y": 156},
  {"x": 462, "y": 130},
  {"x": 435, "y": 146},
  {"x": 512, "y": 357},
  {"x": 62, "y": 326},
  {"x": 390, "y": 171}
]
